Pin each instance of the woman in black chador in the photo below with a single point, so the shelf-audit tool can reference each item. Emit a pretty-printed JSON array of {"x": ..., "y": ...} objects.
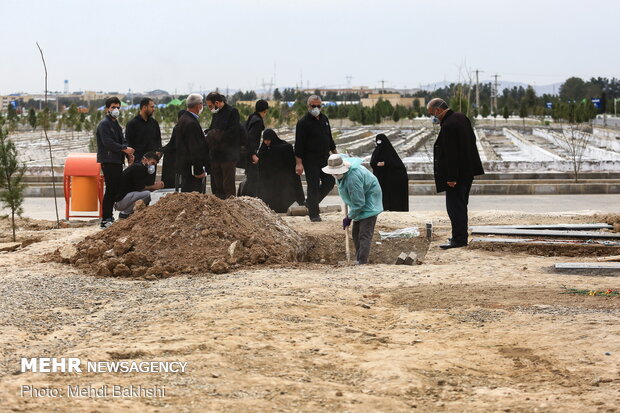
[
  {"x": 392, "y": 175},
  {"x": 278, "y": 184}
]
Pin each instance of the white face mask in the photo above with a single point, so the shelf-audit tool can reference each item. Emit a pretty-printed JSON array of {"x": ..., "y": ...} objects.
[
  {"x": 151, "y": 169},
  {"x": 215, "y": 110},
  {"x": 434, "y": 119},
  {"x": 315, "y": 111},
  {"x": 114, "y": 113},
  {"x": 201, "y": 109},
  {"x": 378, "y": 142}
]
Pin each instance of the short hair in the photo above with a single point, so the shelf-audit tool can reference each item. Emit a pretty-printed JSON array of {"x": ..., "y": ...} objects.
[
  {"x": 145, "y": 102},
  {"x": 313, "y": 97},
  {"x": 111, "y": 100},
  {"x": 193, "y": 100},
  {"x": 151, "y": 155},
  {"x": 215, "y": 97},
  {"x": 437, "y": 103},
  {"x": 261, "y": 105}
]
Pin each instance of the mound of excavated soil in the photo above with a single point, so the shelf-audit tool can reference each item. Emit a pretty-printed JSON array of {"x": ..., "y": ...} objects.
[
  {"x": 611, "y": 219},
  {"x": 188, "y": 233}
]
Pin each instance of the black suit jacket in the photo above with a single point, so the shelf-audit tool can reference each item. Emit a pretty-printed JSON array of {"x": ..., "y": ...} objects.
[
  {"x": 191, "y": 146},
  {"x": 455, "y": 155}
]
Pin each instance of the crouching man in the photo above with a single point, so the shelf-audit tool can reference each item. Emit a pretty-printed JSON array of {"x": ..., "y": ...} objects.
[
  {"x": 361, "y": 192},
  {"x": 134, "y": 186}
]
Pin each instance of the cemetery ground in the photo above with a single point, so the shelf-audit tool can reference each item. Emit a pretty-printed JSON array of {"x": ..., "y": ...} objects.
[{"x": 467, "y": 330}]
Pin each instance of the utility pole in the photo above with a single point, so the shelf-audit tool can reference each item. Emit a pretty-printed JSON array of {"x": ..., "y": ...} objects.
[
  {"x": 382, "y": 86},
  {"x": 477, "y": 92},
  {"x": 494, "y": 95}
]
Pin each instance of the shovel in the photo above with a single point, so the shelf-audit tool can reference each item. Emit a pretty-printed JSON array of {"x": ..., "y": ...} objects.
[{"x": 346, "y": 237}]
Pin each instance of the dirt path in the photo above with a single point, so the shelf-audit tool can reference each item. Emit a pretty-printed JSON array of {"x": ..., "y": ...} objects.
[{"x": 469, "y": 330}]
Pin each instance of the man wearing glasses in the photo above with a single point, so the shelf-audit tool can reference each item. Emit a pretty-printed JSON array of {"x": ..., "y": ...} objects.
[{"x": 313, "y": 144}]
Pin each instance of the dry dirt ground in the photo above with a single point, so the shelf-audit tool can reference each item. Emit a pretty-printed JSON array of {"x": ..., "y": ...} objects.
[{"x": 468, "y": 330}]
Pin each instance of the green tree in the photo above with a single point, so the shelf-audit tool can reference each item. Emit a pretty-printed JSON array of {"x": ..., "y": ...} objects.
[
  {"x": 523, "y": 112},
  {"x": 573, "y": 89},
  {"x": 277, "y": 96},
  {"x": 505, "y": 113},
  {"x": 396, "y": 116},
  {"x": 11, "y": 174},
  {"x": 72, "y": 117},
  {"x": 530, "y": 97},
  {"x": 12, "y": 117},
  {"x": 32, "y": 118},
  {"x": 43, "y": 120},
  {"x": 355, "y": 113}
]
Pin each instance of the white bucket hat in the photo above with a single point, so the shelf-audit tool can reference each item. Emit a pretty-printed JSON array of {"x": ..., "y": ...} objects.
[{"x": 336, "y": 165}]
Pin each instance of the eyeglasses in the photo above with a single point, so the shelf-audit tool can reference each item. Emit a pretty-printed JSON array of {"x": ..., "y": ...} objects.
[{"x": 315, "y": 106}]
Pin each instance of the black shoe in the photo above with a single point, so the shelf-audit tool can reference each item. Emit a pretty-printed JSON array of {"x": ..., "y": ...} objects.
[
  {"x": 452, "y": 245},
  {"x": 123, "y": 216},
  {"x": 105, "y": 223},
  {"x": 316, "y": 219}
]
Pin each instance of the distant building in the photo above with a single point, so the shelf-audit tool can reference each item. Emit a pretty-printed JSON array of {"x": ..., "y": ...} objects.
[
  {"x": 393, "y": 98},
  {"x": 5, "y": 101},
  {"x": 360, "y": 90}
]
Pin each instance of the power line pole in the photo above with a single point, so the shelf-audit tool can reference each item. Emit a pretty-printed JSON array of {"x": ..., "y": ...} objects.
[
  {"x": 494, "y": 95},
  {"x": 477, "y": 92},
  {"x": 382, "y": 86}
]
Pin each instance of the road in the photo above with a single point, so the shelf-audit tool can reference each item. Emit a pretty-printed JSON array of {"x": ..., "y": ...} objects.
[{"x": 43, "y": 208}]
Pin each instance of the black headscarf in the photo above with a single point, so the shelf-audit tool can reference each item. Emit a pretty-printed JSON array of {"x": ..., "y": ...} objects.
[
  {"x": 385, "y": 152},
  {"x": 272, "y": 136}
]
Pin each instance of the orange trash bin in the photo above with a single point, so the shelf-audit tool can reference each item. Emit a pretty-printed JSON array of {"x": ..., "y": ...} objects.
[{"x": 83, "y": 185}]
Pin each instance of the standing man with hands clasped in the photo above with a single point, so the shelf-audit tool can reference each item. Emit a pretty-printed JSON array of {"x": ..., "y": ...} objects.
[
  {"x": 191, "y": 148},
  {"x": 313, "y": 143},
  {"x": 112, "y": 150},
  {"x": 143, "y": 133},
  {"x": 456, "y": 162}
]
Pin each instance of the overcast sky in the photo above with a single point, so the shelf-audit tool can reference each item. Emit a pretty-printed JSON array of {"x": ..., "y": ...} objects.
[{"x": 181, "y": 45}]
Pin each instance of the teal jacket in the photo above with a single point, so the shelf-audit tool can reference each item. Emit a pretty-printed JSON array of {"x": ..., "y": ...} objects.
[{"x": 360, "y": 190}]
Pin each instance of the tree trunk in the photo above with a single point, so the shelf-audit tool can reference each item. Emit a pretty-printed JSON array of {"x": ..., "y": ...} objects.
[{"x": 13, "y": 224}]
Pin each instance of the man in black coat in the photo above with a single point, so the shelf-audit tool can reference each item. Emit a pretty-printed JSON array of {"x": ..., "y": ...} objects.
[
  {"x": 191, "y": 147},
  {"x": 255, "y": 127},
  {"x": 223, "y": 140},
  {"x": 456, "y": 162},
  {"x": 143, "y": 133},
  {"x": 112, "y": 149},
  {"x": 313, "y": 144}
]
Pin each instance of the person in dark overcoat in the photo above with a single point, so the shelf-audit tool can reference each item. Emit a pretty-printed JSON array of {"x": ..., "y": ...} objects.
[{"x": 455, "y": 162}]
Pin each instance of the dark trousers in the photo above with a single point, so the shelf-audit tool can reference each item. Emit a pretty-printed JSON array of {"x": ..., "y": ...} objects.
[
  {"x": 223, "y": 173},
  {"x": 457, "y": 199},
  {"x": 319, "y": 184},
  {"x": 362, "y": 238},
  {"x": 189, "y": 183},
  {"x": 112, "y": 173}
]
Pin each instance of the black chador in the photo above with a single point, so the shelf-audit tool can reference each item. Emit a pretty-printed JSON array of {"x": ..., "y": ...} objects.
[
  {"x": 392, "y": 175},
  {"x": 278, "y": 184}
]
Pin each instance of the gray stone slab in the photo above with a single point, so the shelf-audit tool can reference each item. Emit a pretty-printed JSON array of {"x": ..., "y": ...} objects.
[{"x": 546, "y": 233}]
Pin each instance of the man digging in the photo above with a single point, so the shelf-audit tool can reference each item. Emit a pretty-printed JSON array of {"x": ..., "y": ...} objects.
[{"x": 360, "y": 191}]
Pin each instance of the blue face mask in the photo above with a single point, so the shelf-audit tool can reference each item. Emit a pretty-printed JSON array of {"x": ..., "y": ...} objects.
[
  {"x": 434, "y": 119},
  {"x": 151, "y": 169}
]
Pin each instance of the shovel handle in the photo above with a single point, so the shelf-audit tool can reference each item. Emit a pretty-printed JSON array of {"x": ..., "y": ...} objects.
[{"x": 346, "y": 236}]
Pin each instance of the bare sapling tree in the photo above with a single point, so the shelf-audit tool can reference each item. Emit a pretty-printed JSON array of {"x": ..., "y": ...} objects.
[
  {"x": 11, "y": 174},
  {"x": 49, "y": 143},
  {"x": 574, "y": 139}
]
